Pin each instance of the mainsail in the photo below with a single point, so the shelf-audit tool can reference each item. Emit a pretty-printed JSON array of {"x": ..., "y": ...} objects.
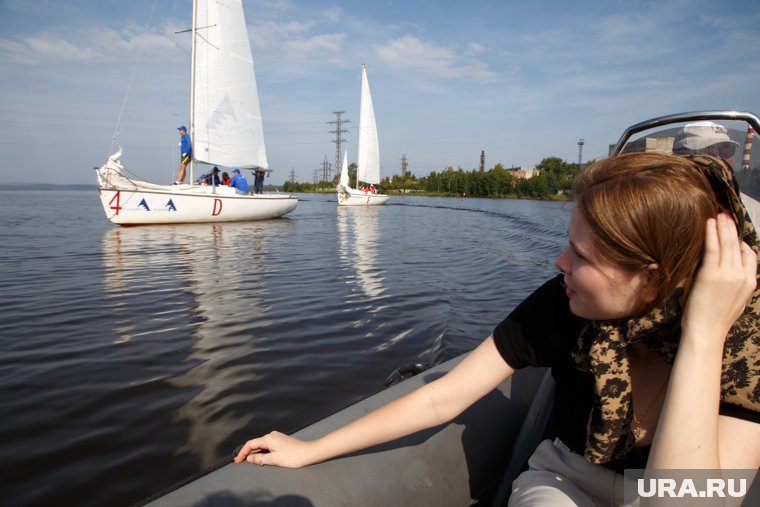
[
  {"x": 368, "y": 149},
  {"x": 226, "y": 125}
]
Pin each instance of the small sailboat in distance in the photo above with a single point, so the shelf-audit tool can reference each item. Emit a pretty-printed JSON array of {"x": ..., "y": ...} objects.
[
  {"x": 225, "y": 127},
  {"x": 368, "y": 158}
]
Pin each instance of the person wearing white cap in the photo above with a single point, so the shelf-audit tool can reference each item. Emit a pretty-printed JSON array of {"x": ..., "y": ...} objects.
[{"x": 706, "y": 138}]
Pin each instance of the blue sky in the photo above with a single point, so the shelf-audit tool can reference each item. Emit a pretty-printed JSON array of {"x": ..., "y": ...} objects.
[{"x": 522, "y": 80}]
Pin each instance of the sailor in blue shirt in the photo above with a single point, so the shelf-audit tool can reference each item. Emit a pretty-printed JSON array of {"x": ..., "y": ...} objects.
[
  {"x": 185, "y": 152},
  {"x": 239, "y": 182},
  {"x": 206, "y": 179}
]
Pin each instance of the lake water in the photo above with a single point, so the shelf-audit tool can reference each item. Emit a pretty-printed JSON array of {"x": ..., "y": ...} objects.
[{"x": 132, "y": 358}]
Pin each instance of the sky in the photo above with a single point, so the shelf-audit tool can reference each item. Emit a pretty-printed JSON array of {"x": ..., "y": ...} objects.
[{"x": 519, "y": 80}]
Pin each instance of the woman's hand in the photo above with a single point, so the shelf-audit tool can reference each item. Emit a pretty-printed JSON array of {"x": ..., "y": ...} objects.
[
  {"x": 275, "y": 448},
  {"x": 723, "y": 284}
]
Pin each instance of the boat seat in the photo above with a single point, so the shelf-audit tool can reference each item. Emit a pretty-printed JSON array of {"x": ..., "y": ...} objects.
[{"x": 530, "y": 435}]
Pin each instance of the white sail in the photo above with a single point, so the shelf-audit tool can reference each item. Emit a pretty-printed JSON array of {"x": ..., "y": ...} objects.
[
  {"x": 226, "y": 127},
  {"x": 368, "y": 149},
  {"x": 344, "y": 172}
]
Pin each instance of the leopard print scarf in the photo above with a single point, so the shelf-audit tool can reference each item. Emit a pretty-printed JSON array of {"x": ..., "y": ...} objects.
[{"x": 601, "y": 348}]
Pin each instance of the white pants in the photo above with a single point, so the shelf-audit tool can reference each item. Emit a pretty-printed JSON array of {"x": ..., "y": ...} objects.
[{"x": 559, "y": 477}]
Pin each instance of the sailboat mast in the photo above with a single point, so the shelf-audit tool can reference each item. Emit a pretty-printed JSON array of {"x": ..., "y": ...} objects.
[{"x": 192, "y": 87}]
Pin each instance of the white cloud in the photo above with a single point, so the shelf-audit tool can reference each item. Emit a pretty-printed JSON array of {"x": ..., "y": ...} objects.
[
  {"x": 99, "y": 45},
  {"x": 271, "y": 34},
  {"x": 410, "y": 52},
  {"x": 324, "y": 43},
  {"x": 276, "y": 5},
  {"x": 295, "y": 42},
  {"x": 334, "y": 14},
  {"x": 475, "y": 48}
]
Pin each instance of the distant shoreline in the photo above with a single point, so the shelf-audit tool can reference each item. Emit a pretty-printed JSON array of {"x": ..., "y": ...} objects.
[{"x": 46, "y": 186}]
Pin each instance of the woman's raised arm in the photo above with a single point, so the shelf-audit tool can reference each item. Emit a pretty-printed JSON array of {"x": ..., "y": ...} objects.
[{"x": 690, "y": 434}]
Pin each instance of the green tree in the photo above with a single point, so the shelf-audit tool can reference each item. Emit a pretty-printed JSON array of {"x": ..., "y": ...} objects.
[{"x": 553, "y": 177}]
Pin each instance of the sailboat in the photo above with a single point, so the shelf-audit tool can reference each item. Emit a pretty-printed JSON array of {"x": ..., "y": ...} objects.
[
  {"x": 368, "y": 158},
  {"x": 226, "y": 131}
]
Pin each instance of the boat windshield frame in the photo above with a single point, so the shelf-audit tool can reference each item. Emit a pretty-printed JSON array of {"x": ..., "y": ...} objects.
[{"x": 660, "y": 121}]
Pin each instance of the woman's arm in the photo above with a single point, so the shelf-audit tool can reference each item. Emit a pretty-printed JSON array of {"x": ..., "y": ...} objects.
[
  {"x": 690, "y": 434},
  {"x": 430, "y": 405}
]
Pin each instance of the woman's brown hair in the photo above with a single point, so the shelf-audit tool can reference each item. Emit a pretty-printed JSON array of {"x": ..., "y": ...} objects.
[{"x": 648, "y": 208}]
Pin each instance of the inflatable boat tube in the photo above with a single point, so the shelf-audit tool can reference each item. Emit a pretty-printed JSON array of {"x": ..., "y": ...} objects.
[{"x": 473, "y": 459}]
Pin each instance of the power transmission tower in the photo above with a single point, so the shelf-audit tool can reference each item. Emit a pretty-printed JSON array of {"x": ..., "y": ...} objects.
[
  {"x": 326, "y": 170},
  {"x": 482, "y": 160},
  {"x": 338, "y": 132},
  {"x": 580, "y": 151},
  {"x": 292, "y": 175},
  {"x": 404, "y": 165}
]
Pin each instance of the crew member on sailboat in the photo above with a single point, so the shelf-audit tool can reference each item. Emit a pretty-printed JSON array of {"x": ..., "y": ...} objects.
[
  {"x": 185, "y": 152},
  {"x": 239, "y": 183}
]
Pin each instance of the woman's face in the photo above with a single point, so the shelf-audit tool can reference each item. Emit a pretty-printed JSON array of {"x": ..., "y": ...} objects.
[{"x": 598, "y": 289}]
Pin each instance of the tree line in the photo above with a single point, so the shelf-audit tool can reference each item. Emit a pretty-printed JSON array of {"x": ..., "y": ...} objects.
[{"x": 553, "y": 177}]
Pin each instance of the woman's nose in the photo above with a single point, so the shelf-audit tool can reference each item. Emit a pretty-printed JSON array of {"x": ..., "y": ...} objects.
[{"x": 561, "y": 262}]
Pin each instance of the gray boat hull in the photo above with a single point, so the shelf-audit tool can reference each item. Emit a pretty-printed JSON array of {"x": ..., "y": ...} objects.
[{"x": 471, "y": 460}]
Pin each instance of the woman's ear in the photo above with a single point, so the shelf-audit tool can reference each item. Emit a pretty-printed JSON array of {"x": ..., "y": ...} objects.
[{"x": 651, "y": 275}]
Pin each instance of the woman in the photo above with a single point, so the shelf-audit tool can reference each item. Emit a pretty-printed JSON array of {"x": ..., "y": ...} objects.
[{"x": 654, "y": 266}]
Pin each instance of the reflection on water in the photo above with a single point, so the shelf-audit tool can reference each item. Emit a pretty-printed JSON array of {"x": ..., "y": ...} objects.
[
  {"x": 215, "y": 271},
  {"x": 358, "y": 238}
]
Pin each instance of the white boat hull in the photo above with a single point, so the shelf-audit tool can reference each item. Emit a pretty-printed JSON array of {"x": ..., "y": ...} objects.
[
  {"x": 132, "y": 202},
  {"x": 351, "y": 197},
  {"x": 130, "y": 207}
]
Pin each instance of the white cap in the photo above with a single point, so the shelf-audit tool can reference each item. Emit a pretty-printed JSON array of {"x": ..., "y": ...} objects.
[{"x": 700, "y": 135}]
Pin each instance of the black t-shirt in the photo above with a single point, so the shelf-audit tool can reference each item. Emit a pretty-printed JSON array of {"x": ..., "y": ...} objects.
[{"x": 542, "y": 332}]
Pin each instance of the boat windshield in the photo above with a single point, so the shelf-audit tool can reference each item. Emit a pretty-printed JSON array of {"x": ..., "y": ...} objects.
[{"x": 732, "y": 139}]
